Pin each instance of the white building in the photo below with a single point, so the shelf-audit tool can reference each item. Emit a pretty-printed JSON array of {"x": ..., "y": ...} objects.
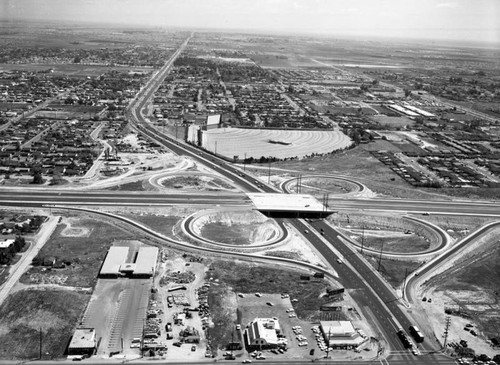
[
  {"x": 263, "y": 333},
  {"x": 341, "y": 334}
]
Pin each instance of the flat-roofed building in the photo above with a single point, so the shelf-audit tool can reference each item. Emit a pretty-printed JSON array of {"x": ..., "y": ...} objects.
[
  {"x": 116, "y": 257},
  {"x": 83, "y": 342},
  {"x": 145, "y": 263},
  {"x": 341, "y": 334}
]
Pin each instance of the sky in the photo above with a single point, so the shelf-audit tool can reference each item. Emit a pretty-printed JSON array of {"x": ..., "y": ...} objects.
[{"x": 457, "y": 20}]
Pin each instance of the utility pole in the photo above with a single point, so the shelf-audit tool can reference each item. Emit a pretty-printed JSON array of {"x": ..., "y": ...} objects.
[
  {"x": 40, "y": 343},
  {"x": 446, "y": 328},
  {"x": 245, "y": 162},
  {"x": 269, "y": 171},
  {"x": 380, "y": 256},
  {"x": 328, "y": 343},
  {"x": 363, "y": 239}
]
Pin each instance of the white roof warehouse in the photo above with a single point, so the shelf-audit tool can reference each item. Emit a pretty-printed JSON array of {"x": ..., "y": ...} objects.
[{"x": 116, "y": 264}]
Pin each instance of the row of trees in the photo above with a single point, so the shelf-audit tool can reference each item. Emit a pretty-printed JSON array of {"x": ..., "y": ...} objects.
[{"x": 7, "y": 254}]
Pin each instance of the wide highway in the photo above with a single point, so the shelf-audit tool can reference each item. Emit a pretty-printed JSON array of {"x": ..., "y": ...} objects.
[
  {"x": 41, "y": 198},
  {"x": 420, "y": 206}
]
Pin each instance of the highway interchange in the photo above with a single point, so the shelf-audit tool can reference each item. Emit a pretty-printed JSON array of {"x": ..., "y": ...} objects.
[{"x": 373, "y": 295}]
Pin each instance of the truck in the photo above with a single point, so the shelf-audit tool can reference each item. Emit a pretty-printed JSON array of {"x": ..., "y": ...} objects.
[
  {"x": 403, "y": 336},
  {"x": 416, "y": 334}
]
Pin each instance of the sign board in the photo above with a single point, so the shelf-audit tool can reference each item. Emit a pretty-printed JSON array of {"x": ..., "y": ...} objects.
[{"x": 335, "y": 291}]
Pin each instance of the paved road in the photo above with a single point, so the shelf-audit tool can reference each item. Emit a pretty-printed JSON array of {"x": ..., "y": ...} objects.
[
  {"x": 393, "y": 360},
  {"x": 20, "y": 267}
]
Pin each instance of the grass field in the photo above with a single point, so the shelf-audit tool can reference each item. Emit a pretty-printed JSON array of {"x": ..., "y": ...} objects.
[
  {"x": 26, "y": 312},
  {"x": 195, "y": 183},
  {"x": 256, "y": 143},
  {"x": 132, "y": 186},
  {"x": 406, "y": 244},
  {"x": 85, "y": 253},
  {"x": 160, "y": 223},
  {"x": 394, "y": 271},
  {"x": 360, "y": 165}
]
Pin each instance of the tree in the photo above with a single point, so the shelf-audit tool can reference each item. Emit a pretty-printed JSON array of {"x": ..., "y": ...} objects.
[
  {"x": 37, "y": 176},
  {"x": 407, "y": 92},
  {"x": 496, "y": 358},
  {"x": 19, "y": 243}
]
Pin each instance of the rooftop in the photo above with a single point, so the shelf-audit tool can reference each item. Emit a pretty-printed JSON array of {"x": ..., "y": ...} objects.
[
  {"x": 83, "y": 338},
  {"x": 146, "y": 261},
  {"x": 116, "y": 257},
  {"x": 6, "y": 243}
]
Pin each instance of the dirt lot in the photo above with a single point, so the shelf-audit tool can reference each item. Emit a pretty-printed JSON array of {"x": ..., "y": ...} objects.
[
  {"x": 469, "y": 290},
  {"x": 236, "y": 227},
  {"x": 53, "y": 311}
]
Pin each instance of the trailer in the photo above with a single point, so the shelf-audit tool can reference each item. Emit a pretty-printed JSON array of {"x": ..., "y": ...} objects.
[{"x": 416, "y": 334}]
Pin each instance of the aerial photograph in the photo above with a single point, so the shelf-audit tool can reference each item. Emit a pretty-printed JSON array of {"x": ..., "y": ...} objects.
[{"x": 250, "y": 181}]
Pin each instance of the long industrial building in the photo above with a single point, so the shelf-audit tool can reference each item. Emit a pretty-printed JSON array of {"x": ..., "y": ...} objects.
[{"x": 116, "y": 265}]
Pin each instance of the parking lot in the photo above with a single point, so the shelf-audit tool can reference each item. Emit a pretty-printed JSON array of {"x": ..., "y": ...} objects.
[{"x": 116, "y": 311}]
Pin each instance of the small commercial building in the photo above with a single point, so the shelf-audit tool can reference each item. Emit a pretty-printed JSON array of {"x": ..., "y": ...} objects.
[
  {"x": 262, "y": 333},
  {"x": 118, "y": 262},
  {"x": 83, "y": 342},
  {"x": 116, "y": 257},
  {"x": 145, "y": 263},
  {"x": 341, "y": 334}
]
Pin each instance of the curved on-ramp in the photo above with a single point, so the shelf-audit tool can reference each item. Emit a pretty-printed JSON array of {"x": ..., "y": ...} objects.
[
  {"x": 427, "y": 271},
  {"x": 284, "y": 186},
  {"x": 444, "y": 243},
  {"x": 187, "y": 225}
]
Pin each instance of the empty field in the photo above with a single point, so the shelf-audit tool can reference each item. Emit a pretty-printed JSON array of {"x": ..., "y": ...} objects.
[
  {"x": 27, "y": 312},
  {"x": 256, "y": 143}
]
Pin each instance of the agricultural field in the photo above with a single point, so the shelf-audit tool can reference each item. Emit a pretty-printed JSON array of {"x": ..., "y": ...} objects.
[{"x": 279, "y": 144}]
